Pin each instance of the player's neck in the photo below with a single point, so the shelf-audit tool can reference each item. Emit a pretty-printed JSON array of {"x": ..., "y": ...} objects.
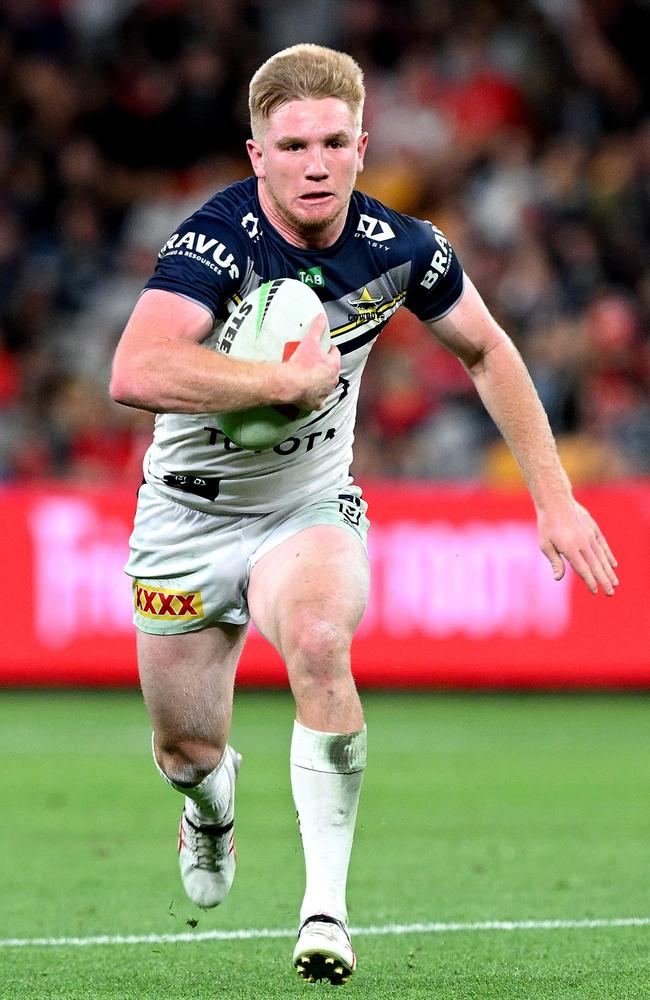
[{"x": 291, "y": 231}]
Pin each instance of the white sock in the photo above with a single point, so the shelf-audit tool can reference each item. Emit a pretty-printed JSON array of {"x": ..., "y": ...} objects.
[
  {"x": 326, "y": 775},
  {"x": 209, "y": 801}
]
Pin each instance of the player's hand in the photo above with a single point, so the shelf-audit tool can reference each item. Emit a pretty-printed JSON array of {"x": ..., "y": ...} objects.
[
  {"x": 571, "y": 533},
  {"x": 317, "y": 370}
]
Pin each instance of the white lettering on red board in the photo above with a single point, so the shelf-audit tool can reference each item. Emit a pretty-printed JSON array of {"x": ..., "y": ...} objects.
[
  {"x": 79, "y": 583},
  {"x": 429, "y": 579},
  {"x": 474, "y": 580}
]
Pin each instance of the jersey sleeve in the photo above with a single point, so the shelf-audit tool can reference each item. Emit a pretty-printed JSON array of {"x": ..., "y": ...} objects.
[
  {"x": 436, "y": 281},
  {"x": 204, "y": 261}
]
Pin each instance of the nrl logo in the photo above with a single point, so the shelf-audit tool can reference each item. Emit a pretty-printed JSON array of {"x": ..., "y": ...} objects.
[{"x": 251, "y": 224}]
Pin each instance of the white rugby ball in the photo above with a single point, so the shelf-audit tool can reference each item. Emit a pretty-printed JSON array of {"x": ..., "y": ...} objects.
[{"x": 268, "y": 325}]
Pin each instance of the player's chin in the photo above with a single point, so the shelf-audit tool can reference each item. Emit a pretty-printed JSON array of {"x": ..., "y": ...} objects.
[{"x": 319, "y": 213}]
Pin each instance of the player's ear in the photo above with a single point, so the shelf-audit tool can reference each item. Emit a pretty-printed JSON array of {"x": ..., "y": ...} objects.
[
  {"x": 362, "y": 143},
  {"x": 256, "y": 154}
]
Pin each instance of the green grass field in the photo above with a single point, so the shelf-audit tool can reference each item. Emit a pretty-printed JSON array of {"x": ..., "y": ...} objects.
[{"x": 474, "y": 809}]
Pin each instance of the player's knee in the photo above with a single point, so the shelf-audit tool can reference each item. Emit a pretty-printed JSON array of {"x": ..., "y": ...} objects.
[
  {"x": 318, "y": 647},
  {"x": 188, "y": 762}
]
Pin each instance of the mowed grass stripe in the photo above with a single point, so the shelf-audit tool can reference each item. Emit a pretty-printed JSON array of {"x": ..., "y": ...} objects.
[{"x": 253, "y": 934}]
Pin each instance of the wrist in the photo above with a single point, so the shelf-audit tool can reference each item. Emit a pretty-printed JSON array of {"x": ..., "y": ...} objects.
[
  {"x": 549, "y": 497},
  {"x": 283, "y": 383}
]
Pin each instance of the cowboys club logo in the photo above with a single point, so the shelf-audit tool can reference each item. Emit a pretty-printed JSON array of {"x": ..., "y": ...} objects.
[{"x": 365, "y": 304}]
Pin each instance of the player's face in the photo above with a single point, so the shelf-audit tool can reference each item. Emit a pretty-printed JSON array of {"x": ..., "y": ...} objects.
[{"x": 306, "y": 163}]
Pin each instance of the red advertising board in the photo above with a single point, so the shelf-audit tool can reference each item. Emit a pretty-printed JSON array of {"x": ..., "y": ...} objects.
[{"x": 461, "y": 594}]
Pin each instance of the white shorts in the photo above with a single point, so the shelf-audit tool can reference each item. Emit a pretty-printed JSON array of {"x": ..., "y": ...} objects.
[{"x": 190, "y": 569}]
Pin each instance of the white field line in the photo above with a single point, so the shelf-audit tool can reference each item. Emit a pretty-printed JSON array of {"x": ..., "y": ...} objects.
[{"x": 253, "y": 934}]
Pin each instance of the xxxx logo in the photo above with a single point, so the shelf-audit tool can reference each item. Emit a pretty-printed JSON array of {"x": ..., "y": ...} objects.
[{"x": 168, "y": 604}]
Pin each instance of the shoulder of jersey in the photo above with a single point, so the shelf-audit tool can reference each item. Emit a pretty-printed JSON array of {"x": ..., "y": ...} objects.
[
  {"x": 271, "y": 321},
  {"x": 232, "y": 207},
  {"x": 385, "y": 225},
  {"x": 239, "y": 194}
]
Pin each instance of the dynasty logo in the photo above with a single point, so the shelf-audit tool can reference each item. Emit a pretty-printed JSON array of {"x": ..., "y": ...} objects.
[{"x": 377, "y": 231}]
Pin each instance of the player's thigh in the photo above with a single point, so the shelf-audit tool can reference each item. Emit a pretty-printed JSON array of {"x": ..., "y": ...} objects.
[
  {"x": 189, "y": 567},
  {"x": 320, "y": 575},
  {"x": 187, "y": 679}
]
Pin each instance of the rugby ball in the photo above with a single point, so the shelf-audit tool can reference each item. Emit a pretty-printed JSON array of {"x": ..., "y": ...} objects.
[{"x": 268, "y": 325}]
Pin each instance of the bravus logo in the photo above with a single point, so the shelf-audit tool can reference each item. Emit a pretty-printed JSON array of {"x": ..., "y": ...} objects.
[
  {"x": 203, "y": 248},
  {"x": 440, "y": 261}
]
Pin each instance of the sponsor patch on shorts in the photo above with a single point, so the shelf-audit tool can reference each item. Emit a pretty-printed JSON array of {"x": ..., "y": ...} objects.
[{"x": 166, "y": 605}]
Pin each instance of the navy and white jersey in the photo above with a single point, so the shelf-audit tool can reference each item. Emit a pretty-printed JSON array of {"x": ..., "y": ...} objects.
[{"x": 381, "y": 261}]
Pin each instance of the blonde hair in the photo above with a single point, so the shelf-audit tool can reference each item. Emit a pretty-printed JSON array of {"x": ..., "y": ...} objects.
[{"x": 300, "y": 72}]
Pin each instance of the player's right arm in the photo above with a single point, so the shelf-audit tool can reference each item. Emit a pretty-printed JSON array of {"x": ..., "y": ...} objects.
[{"x": 161, "y": 365}]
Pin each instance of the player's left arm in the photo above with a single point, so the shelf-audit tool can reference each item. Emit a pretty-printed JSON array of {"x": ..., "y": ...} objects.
[{"x": 566, "y": 529}]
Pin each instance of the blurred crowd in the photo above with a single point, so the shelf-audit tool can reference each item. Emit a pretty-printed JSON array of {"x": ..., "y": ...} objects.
[{"x": 520, "y": 127}]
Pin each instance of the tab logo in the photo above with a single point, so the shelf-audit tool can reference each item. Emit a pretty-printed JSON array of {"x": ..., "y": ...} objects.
[
  {"x": 312, "y": 276},
  {"x": 168, "y": 605},
  {"x": 375, "y": 229}
]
